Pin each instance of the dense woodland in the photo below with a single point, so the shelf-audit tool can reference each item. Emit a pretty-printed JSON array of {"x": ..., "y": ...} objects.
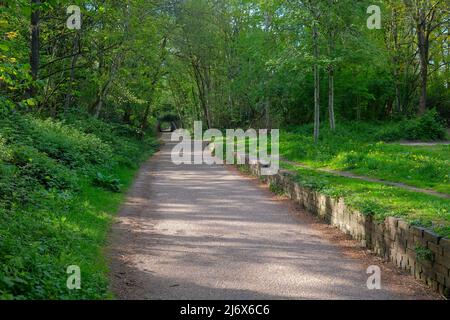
[
  {"x": 79, "y": 107},
  {"x": 229, "y": 63}
]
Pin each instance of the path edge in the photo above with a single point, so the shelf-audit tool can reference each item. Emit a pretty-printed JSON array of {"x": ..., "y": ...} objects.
[{"x": 416, "y": 250}]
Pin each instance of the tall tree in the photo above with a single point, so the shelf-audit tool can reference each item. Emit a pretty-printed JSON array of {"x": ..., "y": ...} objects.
[
  {"x": 427, "y": 17},
  {"x": 35, "y": 40}
]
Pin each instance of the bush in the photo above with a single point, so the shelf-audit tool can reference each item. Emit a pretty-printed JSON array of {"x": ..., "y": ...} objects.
[
  {"x": 107, "y": 182},
  {"x": 5, "y": 152},
  {"x": 66, "y": 144},
  {"x": 44, "y": 170},
  {"x": 53, "y": 209},
  {"x": 15, "y": 189},
  {"x": 429, "y": 127}
]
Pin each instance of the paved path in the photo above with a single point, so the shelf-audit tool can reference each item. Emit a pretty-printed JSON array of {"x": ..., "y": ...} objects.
[
  {"x": 423, "y": 144},
  {"x": 207, "y": 232}
]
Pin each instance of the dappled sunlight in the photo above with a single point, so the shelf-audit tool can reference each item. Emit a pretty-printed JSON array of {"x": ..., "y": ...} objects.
[{"x": 205, "y": 231}]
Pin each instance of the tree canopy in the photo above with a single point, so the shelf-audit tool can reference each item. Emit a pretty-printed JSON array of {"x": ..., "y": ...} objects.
[{"x": 259, "y": 63}]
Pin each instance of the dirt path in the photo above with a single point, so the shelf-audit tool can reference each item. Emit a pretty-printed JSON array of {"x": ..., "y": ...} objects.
[
  {"x": 369, "y": 179},
  {"x": 423, "y": 144},
  {"x": 207, "y": 232}
]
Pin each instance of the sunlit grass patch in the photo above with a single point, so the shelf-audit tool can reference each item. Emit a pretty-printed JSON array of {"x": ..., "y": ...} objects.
[{"x": 380, "y": 200}]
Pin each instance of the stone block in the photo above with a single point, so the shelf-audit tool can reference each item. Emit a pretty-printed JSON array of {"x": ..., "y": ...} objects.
[
  {"x": 391, "y": 233},
  {"x": 403, "y": 225},
  {"x": 432, "y": 283},
  {"x": 443, "y": 260},
  {"x": 379, "y": 228},
  {"x": 417, "y": 231},
  {"x": 391, "y": 222},
  {"x": 418, "y": 242},
  {"x": 411, "y": 254},
  {"x": 427, "y": 269},
  {"x": 428, "y": 275},
  {"x": 443, "y": 270},
  {"x": 430, "y": 236},
  {"x": 443, "y": 290},
  {"x": 445, "y": 244},
  {"x": 440, "y": 278},
  {"x": 435, "y": 248}
]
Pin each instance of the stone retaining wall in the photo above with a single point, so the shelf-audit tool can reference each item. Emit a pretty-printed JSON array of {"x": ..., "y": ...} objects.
[{"x": 416, "y": 250}]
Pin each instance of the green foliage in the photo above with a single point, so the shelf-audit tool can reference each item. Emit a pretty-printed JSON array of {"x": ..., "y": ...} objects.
[
  {"x": 228, "y": 63},
  {"x": 107, "y": 182},
  {"x": 55, "y": 206},
  {"x": 66, "y": 144},
  {"x": 244, "y": 169},
  {"x": 424, "y": 254},
  {"x": 276, "y": 188},
  {"x": 429, "y": 127},
  {"x": 42, "y": 169},
  {"x": 125, "y": 141},
  {"x": 356, "y": 147},
  {"x": 379, "y": 200}
]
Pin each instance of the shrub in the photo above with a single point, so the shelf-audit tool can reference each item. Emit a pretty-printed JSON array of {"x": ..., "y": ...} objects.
[
  {"x": 424, "y": 254},
  {"x": 5, "y": 152},
  {"x": 276, "y": 188},
  {"x": 428, "y": 127},
  {"x": 351, "y": 160},
  {"x": 71, "y": 146},
  {"x": 15, "y": 189},
  {"x": 50, "y": 215},
  {"x": 42, "y": 169},
  {"x": 107, "y": 182}
]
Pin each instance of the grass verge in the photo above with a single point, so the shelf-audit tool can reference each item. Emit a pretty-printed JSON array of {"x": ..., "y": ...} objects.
[
  {"x": 380, "y": 200},
  {"x": 53, "y": 212}
]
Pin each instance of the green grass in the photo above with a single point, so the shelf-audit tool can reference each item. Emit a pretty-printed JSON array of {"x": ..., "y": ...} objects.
[
  {"x": 358, "y": 148},
  {"x": 380, "y": 200},
  {"x": 39, "y": 244},
  {"x": 47, "y": 226},
  {"x": 355, "y": 149}
]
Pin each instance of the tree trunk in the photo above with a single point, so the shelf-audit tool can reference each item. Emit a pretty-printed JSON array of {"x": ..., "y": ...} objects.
[
  {"x": 127, "y": 114},
  {"x": 423, "y": 44},
  {"x": 398, "y": 105},
  {"x": 144, "y": 121},
  {"x": 99, "y": 106},
  {"x": 104, "y": 90},
  {"x": 423, "y": 52},
  {"x": 331, "y": 83},
  {"x": 316, "y": 84},
  {"x": 396, "y": 58},
  {"x": 34, "y": 42},
  {"x": 155, "y": 78},
  {"x": 101, "y": 96},
  {"x": 331, "y": 98},
  {"x": 267, "y": 112},
  {"x": 76, "y": 50},
  {"x": 358, "y": 109},
  {"x": 202, "y": 92}
]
